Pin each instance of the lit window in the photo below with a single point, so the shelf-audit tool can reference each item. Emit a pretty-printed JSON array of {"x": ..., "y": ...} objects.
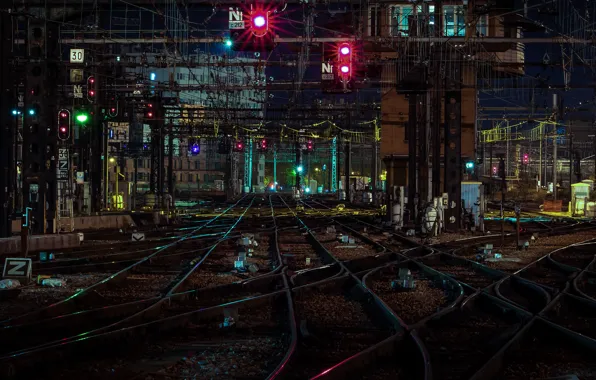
[
  {"x": 482, "y": 25},
  {"x": 455, "y": 21},
  {"x": 399, "y": 19}
]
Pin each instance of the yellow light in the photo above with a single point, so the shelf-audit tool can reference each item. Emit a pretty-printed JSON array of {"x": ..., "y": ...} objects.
[{"x": 112, "y": 160}]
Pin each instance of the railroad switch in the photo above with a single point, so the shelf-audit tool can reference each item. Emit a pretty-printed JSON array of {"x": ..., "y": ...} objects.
[{"x": 405, "y": 280}]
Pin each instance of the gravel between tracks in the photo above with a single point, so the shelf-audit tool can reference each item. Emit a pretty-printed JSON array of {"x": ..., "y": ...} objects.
[
  {"x": 252, "y": 359},
  {"x": 540, "y": 358},
  {"x": 332, "y": 310},
  {"x": 343, "y": 251},
  {"x": 411, "y": 306},
  {"x": 574, "y": 317},
  {"x": 33, "y": 297},
  {"x": 543, "y": 246},
  {"x": 460, "y": 346},
  {"x": 137, "y": 287},
  {"x": 340, "y": 328},
  {"x": 465, "y": 274}
]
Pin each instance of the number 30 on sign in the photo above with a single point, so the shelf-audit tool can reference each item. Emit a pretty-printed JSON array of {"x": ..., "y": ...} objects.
[{"x": 77, "y": 55}]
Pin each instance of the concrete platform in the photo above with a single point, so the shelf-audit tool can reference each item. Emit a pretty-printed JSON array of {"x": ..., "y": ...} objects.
[
  {"x": 82, "y": 223},
  {"x": 12, "y": 245}
]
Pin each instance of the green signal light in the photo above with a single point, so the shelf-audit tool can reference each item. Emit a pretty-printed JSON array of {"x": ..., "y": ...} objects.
[
  {"x": 82, "y": 117},
  {"x": 31, "y": 112},
  {"x": 228, "y": 43},
  {"x": 469, "y": 165}
]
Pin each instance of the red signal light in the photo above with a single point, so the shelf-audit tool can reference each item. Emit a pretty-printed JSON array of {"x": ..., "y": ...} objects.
[
  {"x": 259, "y": 23},
  {"x": 345, "y": 49},
  {"x": 345, "y": 69},
  {"x": 149, "y": 114},
  {"x": 63, "y": 114},
  {"x": 62, "y": 129}
]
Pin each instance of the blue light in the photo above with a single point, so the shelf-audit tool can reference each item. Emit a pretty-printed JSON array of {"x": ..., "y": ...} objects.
[
  {"x": 195, "y": 149},
  {"x": 152, "y": 76}
]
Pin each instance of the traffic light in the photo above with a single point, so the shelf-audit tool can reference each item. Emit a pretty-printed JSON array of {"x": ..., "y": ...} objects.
[
  {"x": 82, "y": 116},
  {"x": 470, "y": 166},
  {"x": 63, "y": 124},
  {"x": 344, "y": 63},
  {"x": 194, "y": 147},
  {"x": 300, "y": 169},
  {"x": 263, "y": 145},
  {"x": 253, "y": 33},
  {"x": 91, "y": 94},
  {"x": 526, "y": 159},
  {"x": 113, "y": 107},
  {"x": 259, "y": 23},
  {"x": 239, "y": 146},
  {"x": 149, "y": 111},
  {"x": 310, "y": 146}
]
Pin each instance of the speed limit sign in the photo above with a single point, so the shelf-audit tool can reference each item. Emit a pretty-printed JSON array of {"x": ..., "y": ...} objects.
[{"x": 77, "y": 55}]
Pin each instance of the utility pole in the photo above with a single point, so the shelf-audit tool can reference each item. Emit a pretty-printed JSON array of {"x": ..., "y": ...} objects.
[
  {"x": 436, "y": 126},
  {"x": 570, "y": 134},
  {"x": 171, "y": 161},
  {"x": 347, "y": 168},
  {"x": 555, "y": 137},
  {"x": 8, "y": 125},
  {"x": 412, "y": 150}
]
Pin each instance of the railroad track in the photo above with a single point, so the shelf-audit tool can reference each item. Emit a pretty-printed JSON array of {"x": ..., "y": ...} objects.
[
  {"x": 548, "y": 274},
  {"x": 460, "y": 341},
  {"x": 574, "y": 313},
  {"x": 474, "y": 276},
  {"x": 579, "y": 256},
  {"x": 433, "y": 292},
  {"x": 541, "y": 350},
  {"x": 299, "y": 318},
  {"x": 336, "y": 319},
  {"x": 523, "y": 293},
  {"x": 103, "y": 301}
]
